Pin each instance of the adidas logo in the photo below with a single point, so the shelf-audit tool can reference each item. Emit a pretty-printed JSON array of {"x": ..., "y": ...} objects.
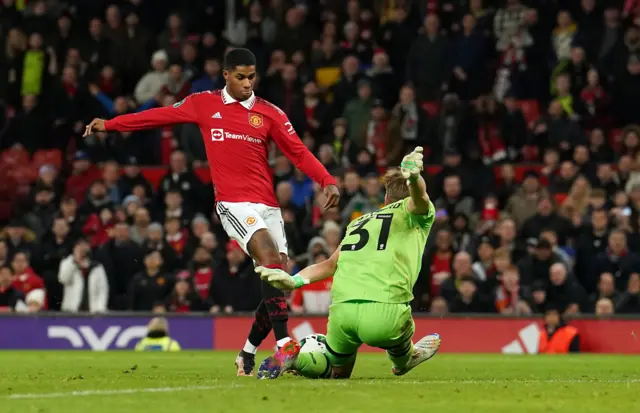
[
  {"x": 526, "y": 343},
  {"x": 217, "y": 116}
]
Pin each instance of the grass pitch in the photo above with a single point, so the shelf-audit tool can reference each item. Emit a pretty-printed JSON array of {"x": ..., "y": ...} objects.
[{"x": 192, "y": 382}]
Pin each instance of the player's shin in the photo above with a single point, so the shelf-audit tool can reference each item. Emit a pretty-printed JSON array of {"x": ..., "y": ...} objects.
[
  {"x": 276, "y": 305},
  {"x": 313, "y": 365},
  {"x": 260, "y": 329},
  {"x": 400, "y": 356}
]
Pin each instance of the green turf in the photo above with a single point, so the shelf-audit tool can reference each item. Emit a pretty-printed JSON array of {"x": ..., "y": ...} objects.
[{"x": 191, "y": 382}]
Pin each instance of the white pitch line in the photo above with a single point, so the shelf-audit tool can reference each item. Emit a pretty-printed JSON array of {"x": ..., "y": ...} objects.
[
  {"x": 84, "y": 393},
  {"x": 323, "y": 383}
]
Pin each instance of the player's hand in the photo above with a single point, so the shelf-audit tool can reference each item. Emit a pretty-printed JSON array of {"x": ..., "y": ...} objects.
[
  {"x": 411, "y": 165},
  {"x": 332, "y": 193},
  {"x": 277, "y": 278},
  {"x": 96, "y": 125}
]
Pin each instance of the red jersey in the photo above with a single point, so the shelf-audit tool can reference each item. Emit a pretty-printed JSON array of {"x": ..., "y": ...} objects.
[{"x": 236, "y": 136}]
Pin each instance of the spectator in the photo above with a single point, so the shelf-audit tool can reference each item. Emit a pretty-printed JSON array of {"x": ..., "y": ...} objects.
[
  {"x": 180, "y": 178},
  {"x": 236, "y": 271},
  {"x": 152, "y": 83},
  {"x": 556, "y": 336},
  {"x": 9, "y": 295},
  {"x": 56, "y": 245},
  {"x": 590, "y": 245},
  {"x": 183, "y": 299},
  {"x": 364, "y": 203},
  {"x": 468, "y": 299},
  {"x": 156, "y": 242},
  {"x": 462, "y": 267},
  {"x": 536, "y": 266},
  {"x": 84, "y": 281},
  {"x": 428, "y": 66},
  {"x": 629, "y": 301},
  {"x": 453, "y": 200},
  {"x": 25, "y": 279},
  {"x": 563, "y": 292},
  {"x": 604, "y": 308},
  {"x": 510, "y": 296},
  {"x": 546, "y": 217},
  {"x": 121, "y": 258},
  {"x": 606, "y": 289},
  {"x": 149, "y": 286},
  {"x": 616, "y": 260}
]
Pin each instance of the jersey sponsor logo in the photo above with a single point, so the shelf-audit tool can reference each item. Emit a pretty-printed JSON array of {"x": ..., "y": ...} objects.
[
  {"x": 241, "y": 137},
  {"x": 178, "y": 104},
  {"x": 289, "y": 127},
  {"x": 250, "y": 220},
  {"x": 255, "y": 120},
  {"x": 217, "y": 135}
]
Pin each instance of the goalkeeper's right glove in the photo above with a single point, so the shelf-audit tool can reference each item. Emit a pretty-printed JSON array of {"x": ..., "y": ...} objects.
[
  {"x": 412, "y": 165},
  {"x": 280, "y": 279}
]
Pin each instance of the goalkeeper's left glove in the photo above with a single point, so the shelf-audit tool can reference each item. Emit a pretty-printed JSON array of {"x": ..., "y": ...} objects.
[
  {"x": 280, "y": 279},
  {"x": 411, "y": 165}
]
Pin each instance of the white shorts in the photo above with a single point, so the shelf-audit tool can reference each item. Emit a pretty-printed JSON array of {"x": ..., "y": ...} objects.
[{"x": 241, "y": 220}]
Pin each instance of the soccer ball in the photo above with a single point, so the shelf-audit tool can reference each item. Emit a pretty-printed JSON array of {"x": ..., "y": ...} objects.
[{"x": 313, "y": 342}]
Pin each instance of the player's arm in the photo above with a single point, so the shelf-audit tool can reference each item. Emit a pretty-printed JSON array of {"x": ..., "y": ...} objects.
[
  {"x": 411, "y": 166},
  {"x": 287, "y": 139},
  {"x": 313, "y": 273},
  {"x": 419, "y": 202},
  {"x": 181, "y": 112}
]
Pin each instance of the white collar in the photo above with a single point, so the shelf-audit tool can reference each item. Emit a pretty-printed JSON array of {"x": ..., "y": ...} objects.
[{"x": 227, "y": 99}]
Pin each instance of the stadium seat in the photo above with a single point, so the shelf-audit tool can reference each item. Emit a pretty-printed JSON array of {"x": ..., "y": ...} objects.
[
  {"x": 23, "y": 175},
  {"x": 530, "y": 110},
  {"x": 47, "y": 157},
  {"x": 14, "y": 156}
]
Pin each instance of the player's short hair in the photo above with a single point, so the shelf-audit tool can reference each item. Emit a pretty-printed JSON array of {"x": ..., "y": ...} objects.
[
  {"x": 395, "y": 184},
  {"x": 239, "y": 57}
]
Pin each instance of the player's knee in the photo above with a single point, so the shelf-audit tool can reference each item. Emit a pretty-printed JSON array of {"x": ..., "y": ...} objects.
[
  {"x": 341, "y": 372},
  {"x": 263, "y": 248}
]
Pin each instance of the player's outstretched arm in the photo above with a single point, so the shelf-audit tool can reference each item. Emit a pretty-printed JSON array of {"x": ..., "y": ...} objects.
[
  {"x": 411, "y": 167},
  {"x": 181, "y": 112},
  {"x": 313, "y": 273}
]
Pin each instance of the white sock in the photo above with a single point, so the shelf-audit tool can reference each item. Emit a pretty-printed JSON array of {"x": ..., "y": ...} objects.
[
  {"x": 249, "y": 348},
  {"x": 283, "y": 341}
]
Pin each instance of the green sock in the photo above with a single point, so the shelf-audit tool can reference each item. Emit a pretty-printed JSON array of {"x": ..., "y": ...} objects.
[
  {"x": 400, "y": 356},
  {"x": 313, "y": 365}
]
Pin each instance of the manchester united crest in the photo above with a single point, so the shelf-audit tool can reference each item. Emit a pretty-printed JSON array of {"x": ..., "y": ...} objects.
[{"x": 255, "y": 120}]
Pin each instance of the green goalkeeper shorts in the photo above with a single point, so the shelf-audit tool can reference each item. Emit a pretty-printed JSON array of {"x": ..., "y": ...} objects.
[{"x": 352, "y": 323}]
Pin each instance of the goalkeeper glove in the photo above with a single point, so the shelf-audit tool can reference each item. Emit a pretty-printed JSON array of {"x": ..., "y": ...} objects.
[
  {"x": 411, "y": 165},
  {"x": 280, "y": 279}
]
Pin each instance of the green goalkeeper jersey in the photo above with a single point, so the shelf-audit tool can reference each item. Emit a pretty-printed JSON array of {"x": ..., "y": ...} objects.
[{"x": 381, "y": 255}]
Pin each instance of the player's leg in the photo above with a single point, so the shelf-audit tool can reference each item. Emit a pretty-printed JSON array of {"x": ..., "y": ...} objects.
[
  {"x": 242, "y": 222},
  {"x": 391, "y": 327},
  {"x": 265, "y": 243},
  {"x": 342, "y": 346},
  {"x": 337, "y": 362}
]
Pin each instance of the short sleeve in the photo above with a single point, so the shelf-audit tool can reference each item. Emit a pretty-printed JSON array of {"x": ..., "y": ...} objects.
[{"x": 424, "y": 221}]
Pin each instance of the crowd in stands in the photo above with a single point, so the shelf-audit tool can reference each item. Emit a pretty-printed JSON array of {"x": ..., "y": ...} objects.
[{"x": 527, "y": 109}]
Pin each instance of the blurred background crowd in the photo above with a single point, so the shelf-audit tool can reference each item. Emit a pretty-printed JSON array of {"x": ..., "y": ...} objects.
[{"x": 526, "y": 109}]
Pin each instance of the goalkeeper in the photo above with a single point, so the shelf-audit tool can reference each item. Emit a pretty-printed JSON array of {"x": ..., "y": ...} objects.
[{"x": 374, "y": 271}]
